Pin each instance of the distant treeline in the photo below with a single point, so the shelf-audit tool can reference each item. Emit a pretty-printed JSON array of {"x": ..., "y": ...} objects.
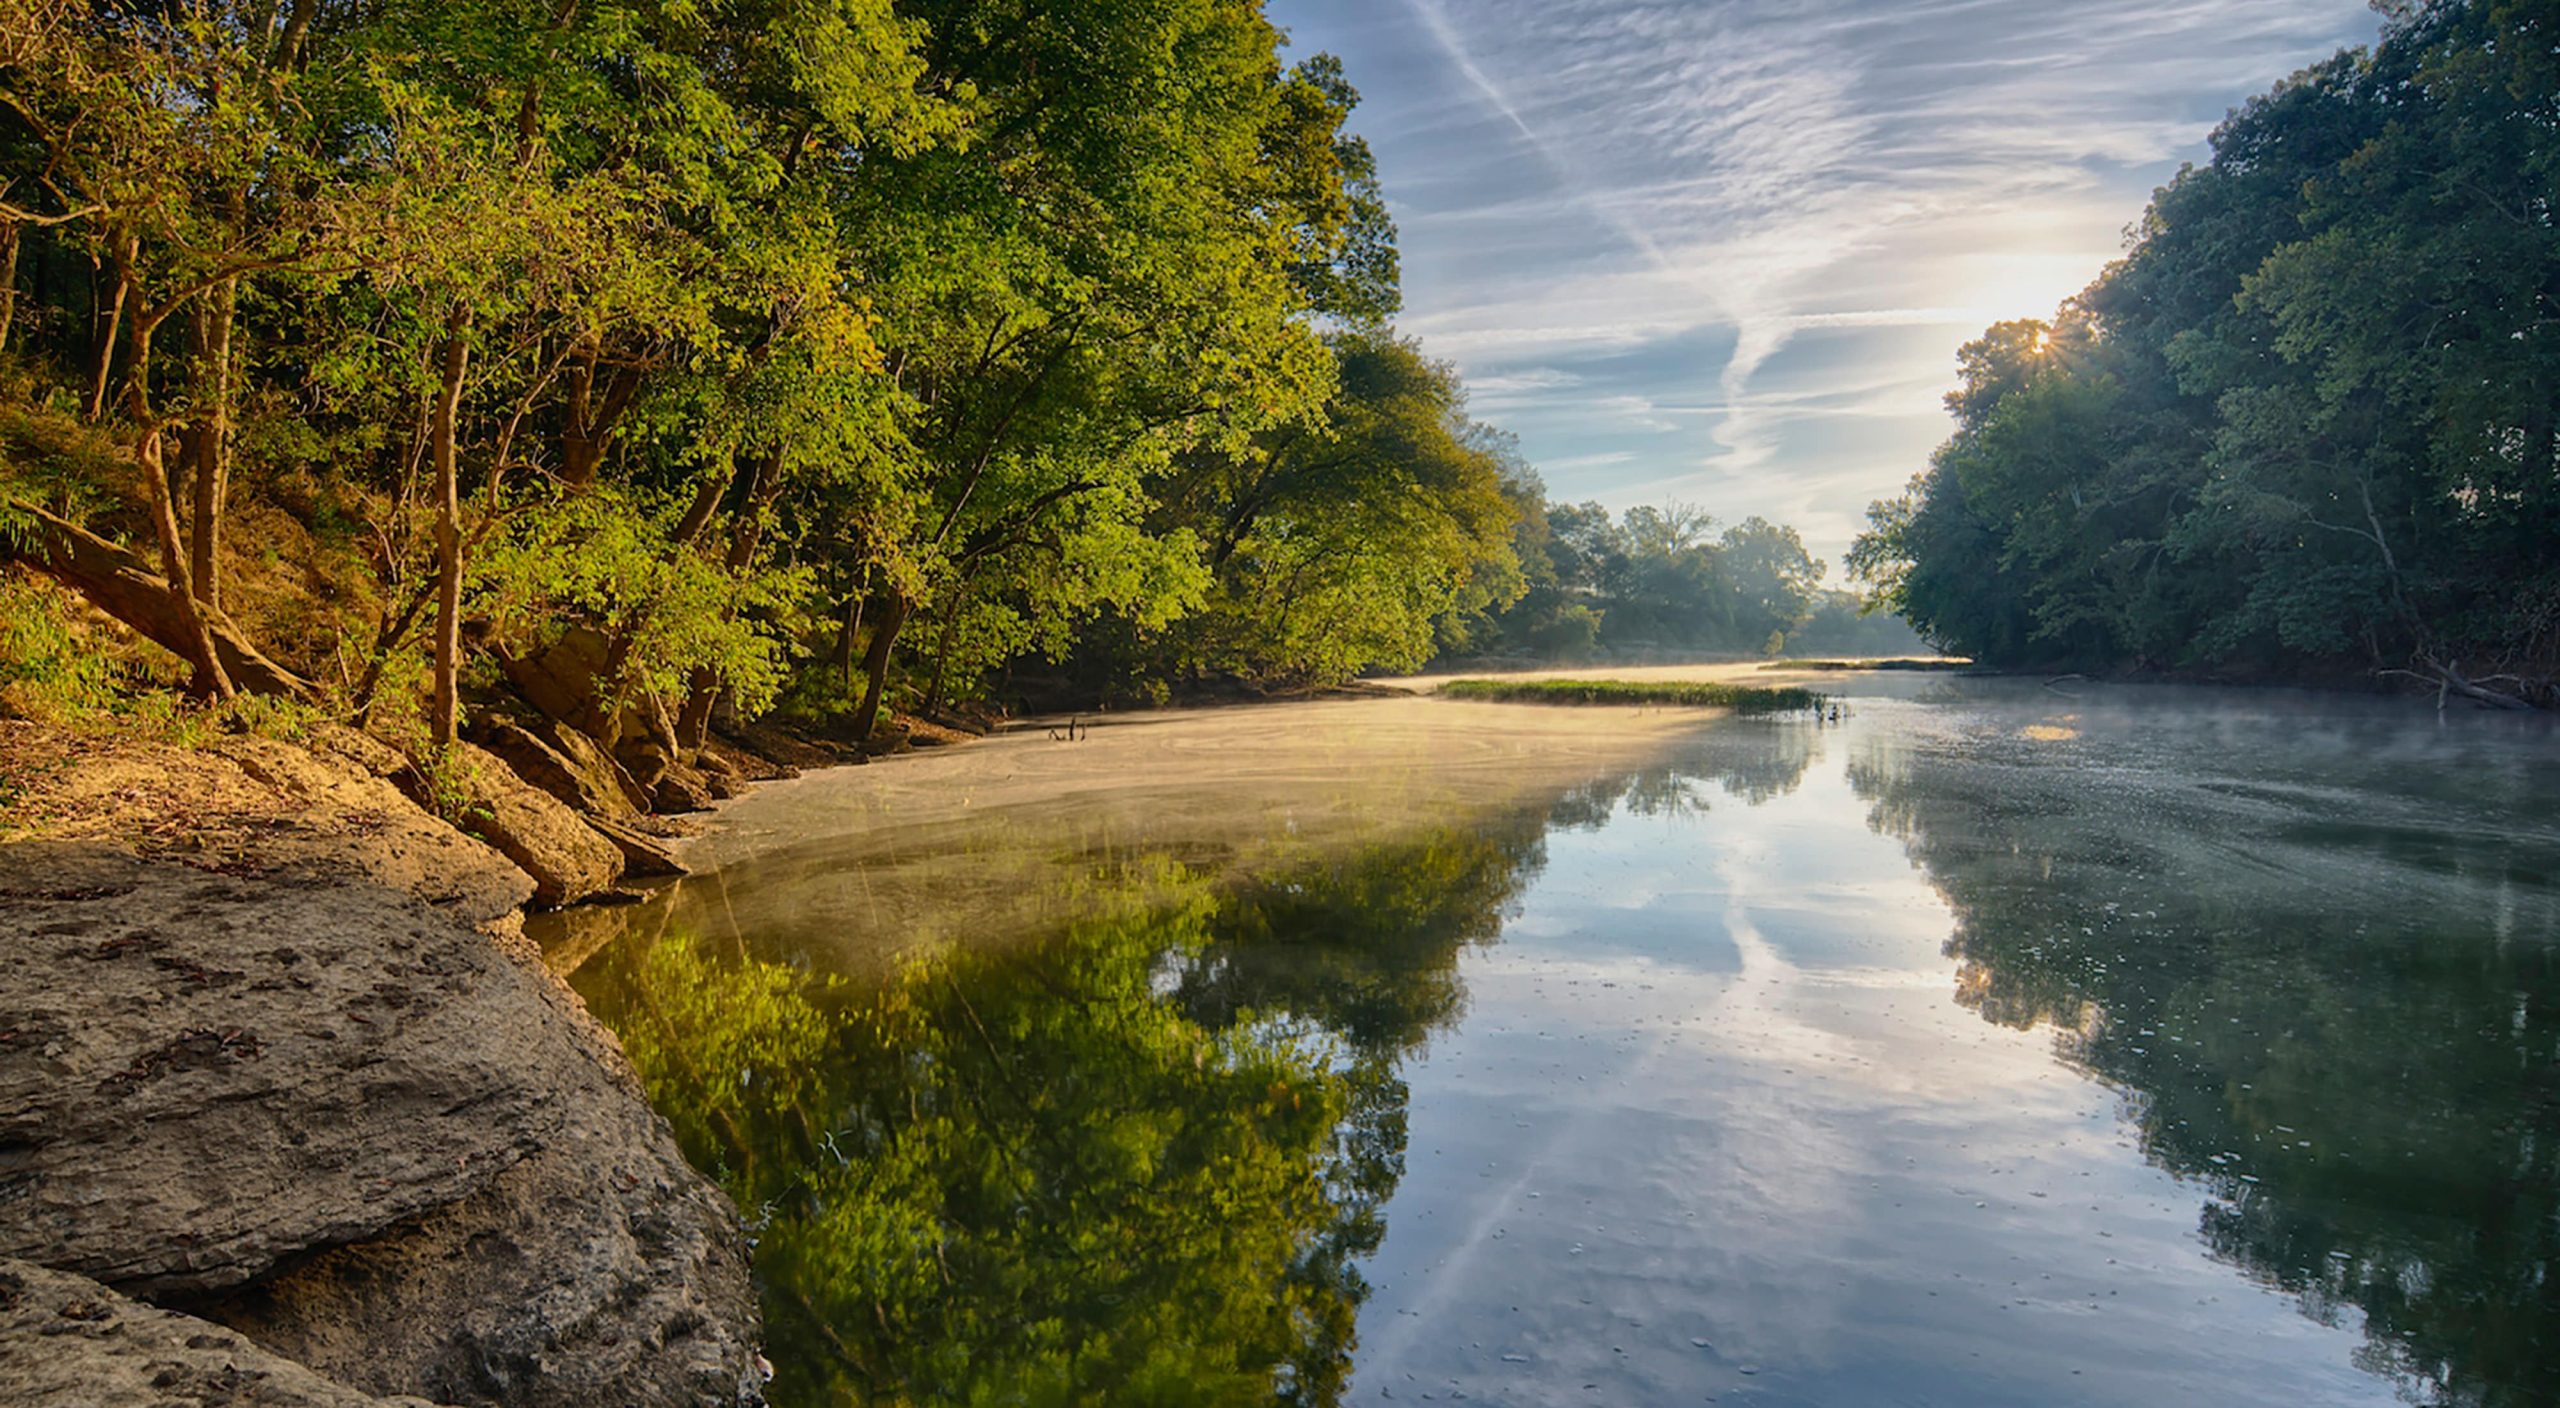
[
  {"x": 2307, "y": 425},
  {"x": 830, "y": 353},
  {"x": 1662, "y": 582}
]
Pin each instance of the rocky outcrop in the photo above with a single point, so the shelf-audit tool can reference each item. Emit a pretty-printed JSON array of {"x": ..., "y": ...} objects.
[
  {"x": 750, "y": 766},
  {"x": 562, "y": 680},
  {"x": 643, "y": 854},
  {"x": 683, "y": 789},
  {"x": 599, "y": 1273},
  {"x": 254, "y": 806},
  {"x": 382, "y": 1144},
  {"x": 567, "y": 859},
  {"x": 68, "y": 1342},
  {"x": 646, "y": 754},
  {"x": 209, "y": 1072},
  {"x": 719, "y": 776},
  {"x": 781, "y": 752},
  {"x": 565, "y": 763},
  {"x": 569, "y": 681}
]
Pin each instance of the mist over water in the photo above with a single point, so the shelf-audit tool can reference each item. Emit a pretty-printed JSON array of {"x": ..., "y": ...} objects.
[{"x": 1995, "y": 1045}]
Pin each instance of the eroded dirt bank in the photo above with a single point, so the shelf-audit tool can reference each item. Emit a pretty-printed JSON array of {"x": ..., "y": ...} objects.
[{"x": 290, "y": 1111}]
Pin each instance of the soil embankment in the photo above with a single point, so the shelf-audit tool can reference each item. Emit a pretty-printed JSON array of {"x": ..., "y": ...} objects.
[{"x": 277, "y": 1063}]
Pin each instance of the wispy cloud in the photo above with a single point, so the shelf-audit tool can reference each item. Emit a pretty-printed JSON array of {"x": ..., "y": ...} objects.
[{"x": 1727, "y": 249}]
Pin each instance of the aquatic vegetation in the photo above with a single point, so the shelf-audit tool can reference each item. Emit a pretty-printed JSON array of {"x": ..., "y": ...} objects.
[{"x": 1740, "y": 698}]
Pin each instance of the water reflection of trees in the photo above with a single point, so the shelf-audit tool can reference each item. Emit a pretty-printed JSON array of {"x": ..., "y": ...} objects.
[
  {"x": 1751, "y": 760},
  {"x": 1137, "y": 1163},
  {"x": 2369, "y": 1090}
]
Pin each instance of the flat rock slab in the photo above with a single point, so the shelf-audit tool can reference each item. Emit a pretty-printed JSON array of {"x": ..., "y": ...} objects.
[
  {"x": 256, "y": 805},
  {"x": 568, "y": 859},
  {"x": 68, "y": 1342},
  {"x": 603, "y": 1273},
  {"x": 203, "y": 1073}
]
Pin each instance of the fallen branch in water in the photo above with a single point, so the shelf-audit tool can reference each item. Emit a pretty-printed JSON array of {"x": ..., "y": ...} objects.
[{"x": 2448, "y": 679}]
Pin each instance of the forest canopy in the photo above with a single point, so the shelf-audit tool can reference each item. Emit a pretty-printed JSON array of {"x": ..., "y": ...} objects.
[
  {"x": 652, "y": 362},
  {"x": 2306, "y": 425}
]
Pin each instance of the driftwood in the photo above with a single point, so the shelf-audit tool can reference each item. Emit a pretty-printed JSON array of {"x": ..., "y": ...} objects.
[
  {"x": 2448, "y": 680},
  {"x": 118, "y": 583}
]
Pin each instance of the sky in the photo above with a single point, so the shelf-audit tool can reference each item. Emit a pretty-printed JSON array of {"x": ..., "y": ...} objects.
[{"x": 1723, "y": 251}]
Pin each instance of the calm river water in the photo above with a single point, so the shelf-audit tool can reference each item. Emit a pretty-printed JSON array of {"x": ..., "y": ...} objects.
[{"x": 1990, "y": 1046}]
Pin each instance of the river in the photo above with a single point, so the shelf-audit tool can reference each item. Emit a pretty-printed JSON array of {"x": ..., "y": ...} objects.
[{"x": 1992, "y": 1044}]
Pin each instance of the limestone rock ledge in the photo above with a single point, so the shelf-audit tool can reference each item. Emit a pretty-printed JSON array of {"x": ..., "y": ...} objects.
[
  {"x": 278, "y": 1086},
  {"x": 66, "y": 1339}
]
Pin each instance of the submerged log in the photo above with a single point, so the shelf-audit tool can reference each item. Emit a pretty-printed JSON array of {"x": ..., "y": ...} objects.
[{"x": 118, "y": 583}]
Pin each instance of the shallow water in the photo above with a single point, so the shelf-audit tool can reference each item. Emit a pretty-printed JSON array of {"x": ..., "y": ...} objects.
[{"x": 1991, "y": 1046}]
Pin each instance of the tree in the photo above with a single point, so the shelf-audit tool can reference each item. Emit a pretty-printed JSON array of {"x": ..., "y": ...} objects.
[
  {"x": 1772, "y": 576},
  {"x": 1351, "y": 539},
  {"x": 2304, "y": 424}
]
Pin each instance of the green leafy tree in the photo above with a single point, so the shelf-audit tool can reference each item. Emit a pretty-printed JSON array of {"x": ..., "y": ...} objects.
[
  {"x": 1354, "y": 539},
  {"x": 2304, "y": 424}
]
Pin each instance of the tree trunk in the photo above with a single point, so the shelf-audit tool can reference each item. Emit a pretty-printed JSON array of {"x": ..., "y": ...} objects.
[
  {"x": 9, "y": 245},
  {"x": 122, "y": 585},
  {"x": 209, "y": 680},
  {"x": 579, "y": 450},
  {"x": 589, "y": 418},
  {"x": 444, "y": 714},
  {"x": 208, "y": 443},
  {"x": 875, "y": 664},
  {"x": 693, "y": 721},
  {"x": 389, "y": 631},
  {"x": 103, "y": 364},
  {"x": 847, "y": 632},
  {"x": 942, "y": 645},
  {"x": 706, "y": 502},
  {"x": 764, "y": 480}
]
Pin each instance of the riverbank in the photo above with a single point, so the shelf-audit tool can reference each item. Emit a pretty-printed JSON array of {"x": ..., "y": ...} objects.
[
  {"x": 278, "y": 1063},
  {"x": 289, "y": 1078},
  {"x": 1008, "y": 831}
]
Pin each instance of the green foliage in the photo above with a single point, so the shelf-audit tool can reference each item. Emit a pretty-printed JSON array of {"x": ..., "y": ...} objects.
[
  {"x": 1011, "y": 332},
  {"x": 49, "y": 669},
  {"x": 1657, "y": 580},
  {"x": 59, "y": 666},
  {"x": 48, "y": 458},
  {"x": 450, "y": 780},
  {"x": 1355, "y": 539},
  {"x": 603, "y": 556},
  {"x": 1741, "y": 698},
  {"x": 2307, "y": 421}
]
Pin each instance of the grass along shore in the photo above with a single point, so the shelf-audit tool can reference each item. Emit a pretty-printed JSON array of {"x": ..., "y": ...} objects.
[{"x": 1740, "y": 698}]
